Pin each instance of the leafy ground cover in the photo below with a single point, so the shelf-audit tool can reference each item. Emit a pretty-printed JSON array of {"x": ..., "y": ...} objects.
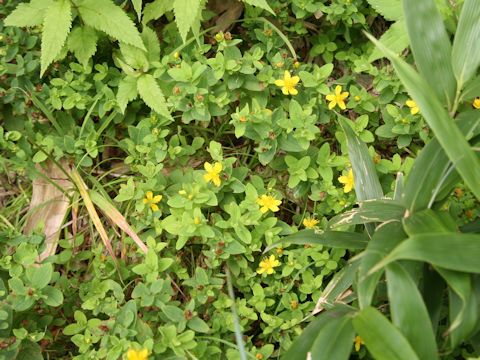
[{"x": 181, "y": 179}]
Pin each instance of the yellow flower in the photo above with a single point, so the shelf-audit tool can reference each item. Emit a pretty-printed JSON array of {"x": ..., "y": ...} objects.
[
  {"x": 296, "y": 64},
  {"x": 153, "y": 200},
  {"x": 268, "y": 202},
  {"x": 267, "y": 264},
  {"x": 476, "y": 103},
  {"x": 212, "y": 172},
  {"x": 293, "y": 304},
  {"x": 358, "y": 341},
  {"x": 196, "y": 221},
  {"x": 288, "y": 84},
  {"x": 137, "y": 355},
  {"x": 413, "y": 107},
  {"x": 310, "y": 222},
  {"x": 176, "y": 55},
  {"x": 337, "y": 98},
  {"x": 182, "y": 192},
  {"x": 1, "y": 37},
  {"x": 218, "y": 36},
  {"x": 348, "y": 181},
  {"x": 357, "y": 98}
]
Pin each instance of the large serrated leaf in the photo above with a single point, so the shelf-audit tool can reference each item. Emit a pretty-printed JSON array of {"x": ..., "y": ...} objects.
[
  {"x": 431, "y": 47},
  {"x": 395, "y": 37},
  {"x": 185, "y": 13},
  {"x": 82, "y": 41},
  {"x": 127, "y": 91},
  {"x": 409, "y": 312},
  {"x": 151, "y": 93},
  {"x": 389, "y": 9},
  {"x": 150, "y": 39},
  {"x": 383, "y": 340},
  {"x": 30, "y": 14},
  {"x": 154, "y": 10},
  {"x": 56, "y": 27},
  {"x": 105, "y": 16},
  {"x": 466, "y": 52},
  {"x": 448, "y": 134}
]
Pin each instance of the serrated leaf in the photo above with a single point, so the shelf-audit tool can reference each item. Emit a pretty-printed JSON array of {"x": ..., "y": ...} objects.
[
  {"x": 105, "y": 16},
  {"x": 156, "y": 9},
  {"x": 56, "y": 27},
  {"x": 261, "y": 4},
  {"x": 389, "y": 9},
  {"x": 466, "y": 52},
  {"x": 137, "y": 5},
  {"x": 151, "y": 42},
  {"x": 127, "y": 91},
  {"x": 82, "y": 41},
  {"x": 151, "y": 93},
  {"x": 395, "y": 37},
  {"x": 30, "y": 14},
  {"x": 185, "y": 13}
]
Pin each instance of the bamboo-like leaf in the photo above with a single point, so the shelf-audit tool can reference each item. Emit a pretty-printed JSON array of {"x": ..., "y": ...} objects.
[
  {"x": 431, "y": 47},
  {"x": 436, "y": 249},
  {"x": 448, "y": 134},
  {"x": 409, "y": 312},
  {"x": 377, "y": 210},
  {"x": 429, "y": 176},
  {"x": 336, "y": 239},
  {"x": 335, "y": 340},
  {"x": 385, "y": 239},
  {"x": 302, "y": 345},
  {"x": 432, "y": 292},
  {"x": 463, "y": 315},
  {"x": 93, "y": 215},
  {"x": 116, "y": 217},
  {"x": 56, "y": 27},
  {"x": 383, "y": 340},
  {"x": 367, "y": 185},
  {"x": 466, "y": 52}
]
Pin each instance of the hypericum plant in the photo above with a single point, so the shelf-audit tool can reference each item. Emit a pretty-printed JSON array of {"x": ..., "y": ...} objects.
[{"x": 410, "y": 240}]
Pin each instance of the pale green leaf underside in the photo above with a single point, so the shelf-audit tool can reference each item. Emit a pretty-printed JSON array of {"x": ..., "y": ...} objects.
[
  {"x": 127, "y": 91},
  {"x": 56, "y": 27},
  {"x": 26, "y": 15},
  {"x": 152, "y": 94},
  {"x": 83, "y": 43},
  {"x": 185, "y": 13},
  {"x": 156, "y": 9},
  {"x": 105, "y": 16}
]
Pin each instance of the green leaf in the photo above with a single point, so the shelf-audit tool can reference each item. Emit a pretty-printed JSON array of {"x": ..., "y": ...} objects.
[
  {"x": 56, "y": 27},
  {"x": 335, "y": 340},
  {"x": 430, "y": 170},
  {"x": 137, "y": 5},
  {"x": 367, "y": 185},
  {"x": 431, "y": 47},
  {"x": 436, "y": 249},
  {"x": 432, "y": 291},
  {"x": 198, "y": 325},
  {"x": 261, "y": 4},
  {"x": 82, "y": 41},
  {"x": 26, "y": 15},
  {"x": 185, "y": 13},
  {"x": 152, "y": 95},
  {"x": 463, "y": 317},
  {"x": 127, "y": 91},
  {"x": 377, "y": 210},
  {"x": 466, "y": 52},
  {"x": 390, "y": 9},
  {"x": 105, "y": 16},
  {"x": 39, "y": 277},
  {"x": 383, "y": 340},
  {"x": 448, "y": 134},
  {"x": 54, "y": 296},
  {"x": 156, "y": 9},
  {"x": 396, "y": 38},
  {"x": 150, "y": 39},
  {"x": 385, "y": 239},
  {"x": 301, "y": 346},
  {"x": 409, "y": 312},
  {"x": 336, "y": 239}
]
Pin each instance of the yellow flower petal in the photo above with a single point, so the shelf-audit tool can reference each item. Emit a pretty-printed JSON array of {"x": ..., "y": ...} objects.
[
  {"x": 217, "y": 167},
  {"x": 344, "y": 95},
  {"x": 264, "y": 209},
  {"x": 285, "y": 90},
  {"x": 154, "y": 207},
  {"x": 343, "y": 179},
  {"x": 414, "y": 110},
  {"x": 342, "y": 105},
  {"x": 286, "y": 75},
  {"x": 149, "y": 195},
  {"x": 338, "y": 90},
  {"x": 332, "y": 105},
  {"x": 208, "y": 167},
  {"x": 216, "y": 181},
  {"x": 293, "y": 91},
  {"x": 330, "y": 97},
  {"x": 411, "y": 103},
  {"x": 279, "y": 82},
  {"x": 294, "y": 80},
  {"x": 157, "y": 198}
]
